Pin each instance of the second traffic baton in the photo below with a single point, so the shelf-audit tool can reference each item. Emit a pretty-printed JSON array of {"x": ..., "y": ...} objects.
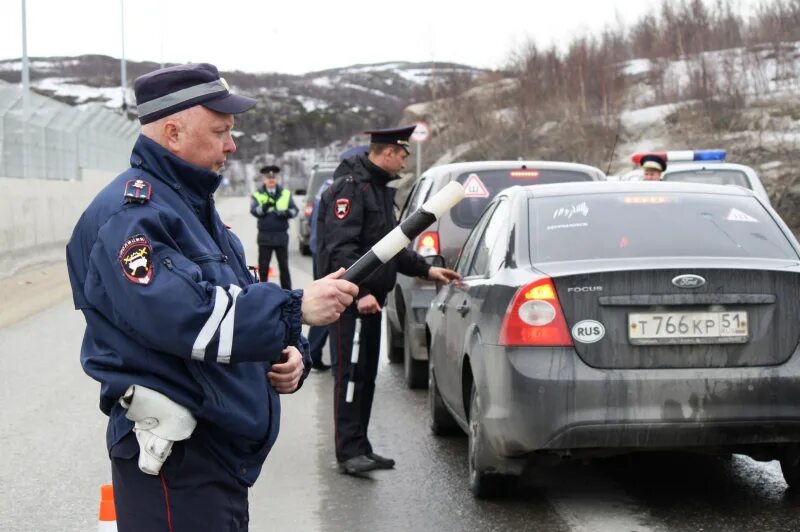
[
  {"x": 390, "y": 245},
  {"x": 351, "y": 384}
]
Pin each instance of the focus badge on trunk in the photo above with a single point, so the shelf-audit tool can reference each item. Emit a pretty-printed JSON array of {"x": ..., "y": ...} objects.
[{"x": 688, "y": 280}]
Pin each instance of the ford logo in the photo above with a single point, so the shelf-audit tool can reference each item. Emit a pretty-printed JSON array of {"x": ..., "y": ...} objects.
[{"x": 688, "y": 280}]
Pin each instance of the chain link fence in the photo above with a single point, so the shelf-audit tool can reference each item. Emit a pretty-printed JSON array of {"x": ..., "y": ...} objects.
[{"x": 52, "y": 140}]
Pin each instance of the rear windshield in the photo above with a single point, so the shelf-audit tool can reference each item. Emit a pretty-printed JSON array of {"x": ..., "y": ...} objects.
[
  {"x": 609, "y": 226},
  {"x": 482, "y": 186},
  {"x": 710, "y": 177}
]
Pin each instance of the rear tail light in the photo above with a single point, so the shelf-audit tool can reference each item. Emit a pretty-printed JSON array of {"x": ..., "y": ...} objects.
[
  {"x": 428, "y": 244},
  {"x": 534, "y": 317},
  {"x": 309, "y": 209}
]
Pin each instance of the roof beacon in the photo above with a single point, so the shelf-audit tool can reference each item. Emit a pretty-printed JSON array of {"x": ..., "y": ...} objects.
[{"x": 683, "y": 155}]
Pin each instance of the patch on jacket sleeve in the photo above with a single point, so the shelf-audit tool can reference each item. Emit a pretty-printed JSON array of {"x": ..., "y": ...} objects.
[
  {"x": 136, "y": 259},
  {"x": 342, "y": 208},
  {"x": 137, "y": 191}
]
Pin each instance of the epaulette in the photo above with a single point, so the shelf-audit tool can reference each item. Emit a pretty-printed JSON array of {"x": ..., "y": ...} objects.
[
  {"x": 339, "y": 182},
  {"x": 137, "y": 191}
]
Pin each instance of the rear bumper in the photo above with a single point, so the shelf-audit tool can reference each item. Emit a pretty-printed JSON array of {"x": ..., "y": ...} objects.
[{"x": 549, "y": 399}]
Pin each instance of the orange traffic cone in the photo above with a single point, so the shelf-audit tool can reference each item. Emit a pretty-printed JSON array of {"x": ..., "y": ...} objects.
[
  {"x": 107, "y": 520},
  {"x": 270, "y": 273}
]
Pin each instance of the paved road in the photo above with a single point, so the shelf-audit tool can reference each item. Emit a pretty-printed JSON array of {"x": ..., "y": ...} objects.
[{"x": 53, "y": 458}]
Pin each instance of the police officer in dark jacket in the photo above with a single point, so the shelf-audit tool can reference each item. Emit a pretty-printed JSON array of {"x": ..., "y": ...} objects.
[
  {"x": 273, "y": 205},
  {"x": 355, "y": 212},
  {"x": 182, "y": 340}
]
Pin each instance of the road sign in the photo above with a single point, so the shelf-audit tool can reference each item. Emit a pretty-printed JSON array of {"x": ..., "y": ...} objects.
[{"x": 421, "y": 133}]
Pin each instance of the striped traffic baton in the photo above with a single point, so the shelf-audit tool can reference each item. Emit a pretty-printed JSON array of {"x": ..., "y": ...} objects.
[
  {"x": 390, "y": 245},
  {"x": 351, "y": 384}
]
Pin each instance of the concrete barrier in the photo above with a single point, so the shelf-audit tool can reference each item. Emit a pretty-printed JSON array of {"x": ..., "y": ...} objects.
[{"x": 37, "y": 216}]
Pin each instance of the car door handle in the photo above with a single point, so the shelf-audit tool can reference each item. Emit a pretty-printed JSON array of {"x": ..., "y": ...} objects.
[{"x": 463, "y": 308}]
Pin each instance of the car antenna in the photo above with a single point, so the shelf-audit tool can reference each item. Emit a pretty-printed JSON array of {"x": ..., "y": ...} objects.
[{"x": 613, "y": 147}]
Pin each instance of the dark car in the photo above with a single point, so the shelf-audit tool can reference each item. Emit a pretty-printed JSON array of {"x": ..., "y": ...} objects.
[
  {"x": 319, "y": 174},
  {"x": 595, "y": 319},
  {"x": 409, "y": 301}
]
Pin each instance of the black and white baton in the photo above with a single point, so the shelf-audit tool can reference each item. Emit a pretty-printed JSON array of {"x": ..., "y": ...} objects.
[
  {"x": 351, "y": 384},
  {"x": 390, "y": 245}
]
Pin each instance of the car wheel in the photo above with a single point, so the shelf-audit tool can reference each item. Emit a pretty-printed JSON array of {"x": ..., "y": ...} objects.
[
  {"x": 482, "y": 484},
  {"x": 442, "y": 422},
  {"x": 396, "y": 339},
  {"x": 396, "y": 352},
  {"x": 416, "y": 370},
  {"x": 790, "y": 467}
]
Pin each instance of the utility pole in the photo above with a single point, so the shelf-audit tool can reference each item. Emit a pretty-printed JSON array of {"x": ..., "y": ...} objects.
[
  {"x": 26, "y": 100},
  {"x": 123, "y": 73}
]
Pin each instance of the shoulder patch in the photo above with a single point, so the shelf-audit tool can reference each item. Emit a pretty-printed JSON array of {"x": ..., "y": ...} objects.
[
  {"x": 136, "y": 259},
  {"x": 137, "y": 191},
  {"x": 342, "y": 208}
]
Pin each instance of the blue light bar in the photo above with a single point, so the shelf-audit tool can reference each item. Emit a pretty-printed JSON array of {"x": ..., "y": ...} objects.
[{"x": 709, "y": 155}]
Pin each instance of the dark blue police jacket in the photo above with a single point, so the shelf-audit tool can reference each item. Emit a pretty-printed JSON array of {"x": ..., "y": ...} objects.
[{"x": 170, "y": 304}]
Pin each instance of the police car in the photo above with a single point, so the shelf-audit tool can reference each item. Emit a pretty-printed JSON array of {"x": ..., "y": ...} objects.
[{"x": 701, "y": 166}]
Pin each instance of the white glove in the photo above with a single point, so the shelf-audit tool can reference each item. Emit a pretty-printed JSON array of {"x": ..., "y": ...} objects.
[{"x": 159, "y": 421}]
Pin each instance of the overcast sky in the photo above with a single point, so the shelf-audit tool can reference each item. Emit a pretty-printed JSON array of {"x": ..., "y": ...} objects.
[{"x": 298, "y": 36}]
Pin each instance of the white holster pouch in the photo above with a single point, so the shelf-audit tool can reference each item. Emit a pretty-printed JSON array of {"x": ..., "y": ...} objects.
[{"x": 159, "y": 422}]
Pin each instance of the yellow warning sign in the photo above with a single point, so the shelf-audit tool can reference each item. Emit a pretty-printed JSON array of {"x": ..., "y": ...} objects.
[{"x": 474, "y": 187}]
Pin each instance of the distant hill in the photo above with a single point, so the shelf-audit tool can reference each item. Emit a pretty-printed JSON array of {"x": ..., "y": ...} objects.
[{"x": 295, "y": 111}]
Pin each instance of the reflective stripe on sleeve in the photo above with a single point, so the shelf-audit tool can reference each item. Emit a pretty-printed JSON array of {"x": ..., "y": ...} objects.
[
  {"x": 226, "y": 329},
  {"x": 210, "y": 327}
]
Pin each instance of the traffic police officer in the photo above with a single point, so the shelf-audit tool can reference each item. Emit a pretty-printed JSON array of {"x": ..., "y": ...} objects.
[
  {"x": 355, "y": 212},
  {"x": 172, "y": 313},
  {"x": 273, "y": 206},
  {"x": 653, "y": 166}
]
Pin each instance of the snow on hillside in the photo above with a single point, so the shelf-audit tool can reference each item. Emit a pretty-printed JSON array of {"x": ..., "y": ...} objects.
[
  {"x": 751, "y": 72},
  {"x": 634, "y": 118},
  {"x": 311, "y": 104},
  {"x": 66, "y": 87}
]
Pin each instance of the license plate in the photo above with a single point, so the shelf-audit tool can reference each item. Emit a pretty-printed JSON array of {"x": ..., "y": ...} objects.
[{"x": 688, "y": 328}]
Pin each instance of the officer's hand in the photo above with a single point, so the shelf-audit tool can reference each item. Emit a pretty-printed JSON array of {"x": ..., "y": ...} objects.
[
  {"x": 325, "y": 299},
  {"x": 442, "y": 275},
  {"x": 285, "y": 375},
  {"x": 368, "y": 305},
  {"x": 282, "y": 213}
]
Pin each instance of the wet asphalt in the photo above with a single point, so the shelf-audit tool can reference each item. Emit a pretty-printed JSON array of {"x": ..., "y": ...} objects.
[{"x": 52, "y": 458}]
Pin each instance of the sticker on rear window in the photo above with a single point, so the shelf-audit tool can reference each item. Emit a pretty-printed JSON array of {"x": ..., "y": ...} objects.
[
  {"x": 571, "y": 210},
  {"x": 567, "y": 226},
  {"x": 588, "y": 331},
  {"x": 738, "y": 216},
  {"x": 474, "y": 187}
]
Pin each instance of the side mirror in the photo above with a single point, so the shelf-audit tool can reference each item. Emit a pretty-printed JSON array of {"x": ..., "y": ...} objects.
[{"x": 435, "y": 260}]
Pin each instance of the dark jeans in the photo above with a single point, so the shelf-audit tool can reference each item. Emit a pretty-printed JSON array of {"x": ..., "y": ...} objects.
[
  {"x": 264, "y": 258},
  {"x": 318, "y": 334},
  {"x": 192, "y": 492}
]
